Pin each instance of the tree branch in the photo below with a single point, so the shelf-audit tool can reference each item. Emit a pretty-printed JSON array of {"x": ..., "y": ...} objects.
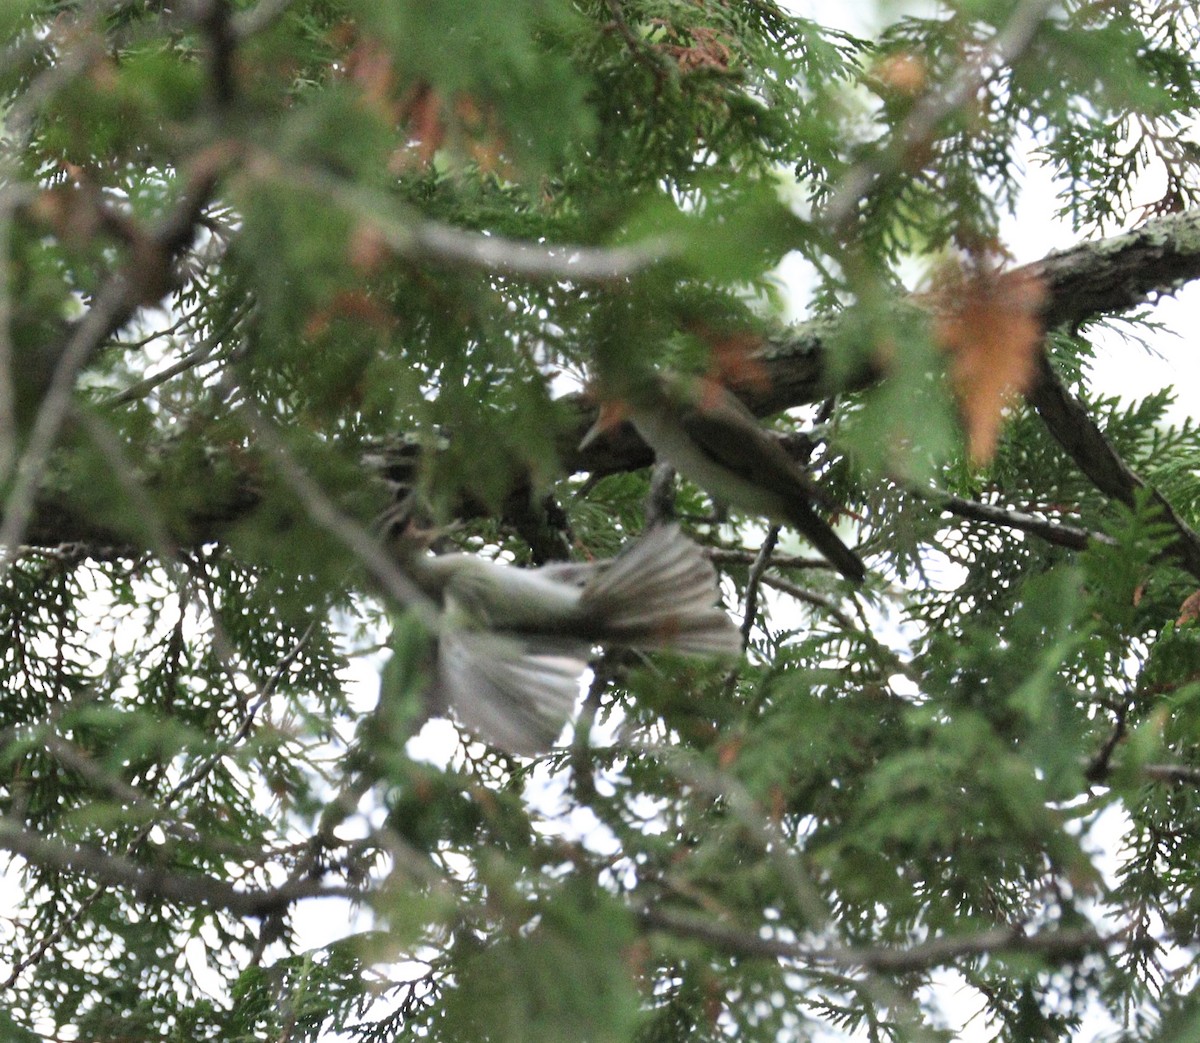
[
  {"x": 1179, "y": 773},
  {"x": 408, "y": 234},
  {"x": 1052, "y": 532},
  {"x": 1104, "y": 277},
  {"x": 922, "y": 123},
  {"x": 1062, "y": 944},
  {"x": 145, "y": 278},
  {"x": 160, "y": 882},
  {"x": 1081, "y": 284},
  {"x": 1073, "y": 427},
  {"x": 818, "y": 601},
  {"x": 159, "y": 811},
  {"x": 345, "y": 529},
  {"x": 755, "y": 578}
]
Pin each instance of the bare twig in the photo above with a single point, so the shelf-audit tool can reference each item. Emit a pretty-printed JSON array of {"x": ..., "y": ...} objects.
[
  {"x": 1061, "y": 944},
  {"x": 757, "y": 570},
  {"x": 192, "y": 889},
  {"x": 723, "y": 556},
  {"x": 918, "y": 130},
  {"x": 153, "y": 335},
  {"x": 1052, "y": 532},
  {"x": 1099, "y": 766},
  {"x": 431, "y": 240},
  {"x": 196, "y": 357},
  {"x": 811, "y": 597},
  {"x": 758, "y": 567}
]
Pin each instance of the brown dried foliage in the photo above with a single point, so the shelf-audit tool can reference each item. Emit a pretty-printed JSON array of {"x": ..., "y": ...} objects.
[{"x": 989, "y": 323}]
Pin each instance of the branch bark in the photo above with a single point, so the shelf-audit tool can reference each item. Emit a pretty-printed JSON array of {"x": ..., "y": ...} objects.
[
  {"x": 1088, "y": 281},
  {"x": 1084, "y": 283},
  {"x": 1052, "y": 532},
  {"x": 1073, "y": 427}
]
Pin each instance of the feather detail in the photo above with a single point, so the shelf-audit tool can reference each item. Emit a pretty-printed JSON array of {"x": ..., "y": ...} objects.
[
  {"x": 721, "y": 446},
  {"x": 659, "y": 593},
  {"x": 511, "y": 693},
  {"x": 513, "y": 643}
]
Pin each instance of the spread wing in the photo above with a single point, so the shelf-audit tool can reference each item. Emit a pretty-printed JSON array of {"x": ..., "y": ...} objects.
[{"x": 512, "y": 692}]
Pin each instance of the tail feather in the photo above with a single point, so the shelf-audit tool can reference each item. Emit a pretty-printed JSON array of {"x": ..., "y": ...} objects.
[
  {"x": 820, "y": 534},
  {"x": 661, "y": 592}
]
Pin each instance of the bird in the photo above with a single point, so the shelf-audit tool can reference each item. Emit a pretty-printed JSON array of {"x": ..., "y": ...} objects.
[
  {"x": 706, "y": 433},
  {"x": 512, "y": 643}
]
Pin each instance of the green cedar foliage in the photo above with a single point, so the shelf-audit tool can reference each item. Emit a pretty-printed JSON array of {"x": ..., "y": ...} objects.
[{"x": 993, "y": 747}]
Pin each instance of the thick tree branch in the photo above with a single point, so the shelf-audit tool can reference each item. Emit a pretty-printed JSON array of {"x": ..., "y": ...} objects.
[
  {"x": 1088, "y": 281},
  {"x": 1113, "y": 275},
  {"x": 1179, "y": 773},
  {"x": 1073, "y": 427},
  {"x": 1106, "y": 278},
  {"x": 215, "y": 21}
]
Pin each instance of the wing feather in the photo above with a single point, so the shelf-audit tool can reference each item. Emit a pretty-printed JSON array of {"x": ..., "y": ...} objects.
[{"x": 511, "y": 693}]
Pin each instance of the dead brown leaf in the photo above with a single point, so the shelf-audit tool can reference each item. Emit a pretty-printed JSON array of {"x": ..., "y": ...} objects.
[
  {"x": 902, "y": 72},
  {"x": 1189, "y": 610},
  {"x": 989, "y": 323},
  {"x": 352, "y": 305},
  {"x": 426, "y": 127},
  {"x": 734, "y": 359},
  {"x": 370, "y": 68},
  {"x": 367, "y": 249}
]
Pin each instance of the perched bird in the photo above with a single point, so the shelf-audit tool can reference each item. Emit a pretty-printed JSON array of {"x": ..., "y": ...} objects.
[
  {"x": 707, "y": 434},
  {"x": 513, "y": 642}
]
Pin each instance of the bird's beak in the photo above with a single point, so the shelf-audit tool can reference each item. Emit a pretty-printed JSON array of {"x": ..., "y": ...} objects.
[
  {"x": 593, "y": 433},
  {"x": 612, "y": 415}
]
